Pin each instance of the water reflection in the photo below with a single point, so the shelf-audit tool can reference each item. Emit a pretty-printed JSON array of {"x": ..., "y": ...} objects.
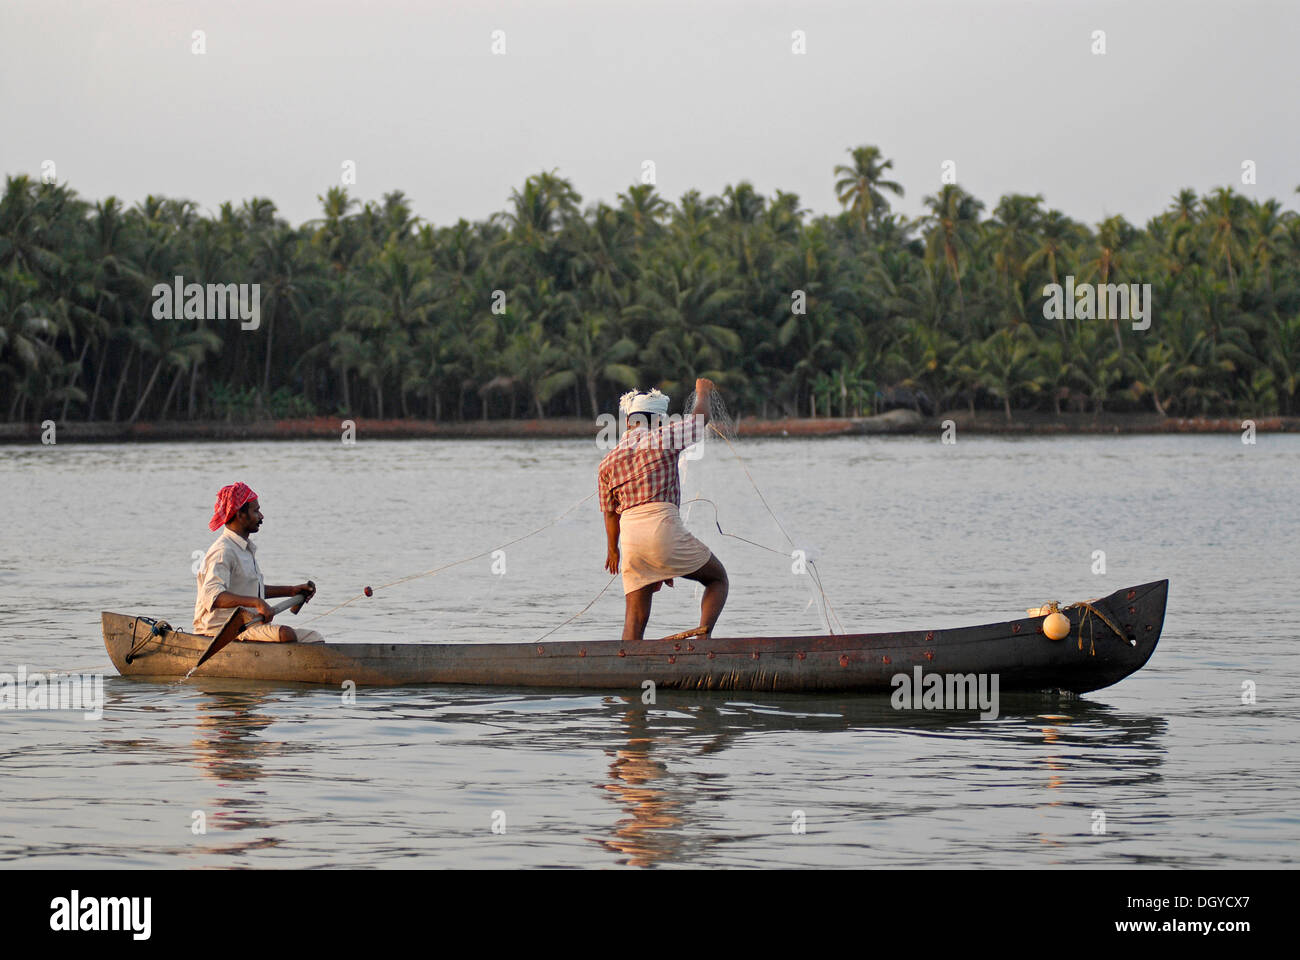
[
  {"x": 687, "y": 777},
  {"x": 651, "y": 781},
  {"x": 654, "y": 804},
  {"x": 228, "y": 745},
  {"x": 231, "y": 748}
]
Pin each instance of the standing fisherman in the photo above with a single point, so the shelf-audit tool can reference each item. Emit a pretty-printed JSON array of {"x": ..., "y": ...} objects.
[
  {"x": 230, "y": 576},
  {"x": 640, "y": 492}
]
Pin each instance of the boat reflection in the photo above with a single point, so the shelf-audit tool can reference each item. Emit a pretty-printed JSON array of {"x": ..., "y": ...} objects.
[
  {"x": 230, "y": 749},
  {"x": 652, "y": 780},
  {"x": 680, "y": 775},
  {"x": 228, "y": 745}
]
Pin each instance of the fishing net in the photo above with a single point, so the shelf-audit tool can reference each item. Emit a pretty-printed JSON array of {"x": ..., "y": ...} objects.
[
  {"x": 720, "y": 419},
  {"x": 708, "y": 475}
]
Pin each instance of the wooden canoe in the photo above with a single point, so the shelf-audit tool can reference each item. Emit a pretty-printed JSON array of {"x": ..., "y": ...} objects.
[{"x": 1016, "y": 650}]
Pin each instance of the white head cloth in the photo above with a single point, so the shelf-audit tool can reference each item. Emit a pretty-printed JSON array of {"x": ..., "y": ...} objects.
[{"x": 652, "y": 402}]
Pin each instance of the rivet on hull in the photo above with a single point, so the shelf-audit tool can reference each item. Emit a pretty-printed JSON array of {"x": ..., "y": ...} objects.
[
  {"x": 929, "y": 654},
  {"x": 582, "y": 653},
  {"x": 801, "y": 655},
  {"x": 710, "y": 654},
  {"x": 540, "y": 651},
  {"x": 844, "y": 660},
  {"x": 672, "y": 658},
  {"x": 884, "y": 660},
  {"x": 622, "y": 653},
  {"x": 755, "y": 654}
]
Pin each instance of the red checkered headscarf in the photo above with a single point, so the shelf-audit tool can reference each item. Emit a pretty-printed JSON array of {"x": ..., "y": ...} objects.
[{"x": 229, "y": 499}]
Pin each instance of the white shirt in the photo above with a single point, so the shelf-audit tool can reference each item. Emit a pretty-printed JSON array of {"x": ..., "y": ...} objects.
[{"x": 230, "y": 565}]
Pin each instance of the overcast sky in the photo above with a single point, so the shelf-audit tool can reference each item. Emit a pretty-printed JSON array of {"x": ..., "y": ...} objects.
[{"x": 708, "y": 90}]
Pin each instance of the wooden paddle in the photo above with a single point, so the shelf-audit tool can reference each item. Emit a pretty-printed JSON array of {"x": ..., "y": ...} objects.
[{"x": 233, "y": 626}]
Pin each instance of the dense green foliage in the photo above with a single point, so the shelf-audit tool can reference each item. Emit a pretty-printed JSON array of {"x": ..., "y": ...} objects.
[{"x": 370, "y": 312}]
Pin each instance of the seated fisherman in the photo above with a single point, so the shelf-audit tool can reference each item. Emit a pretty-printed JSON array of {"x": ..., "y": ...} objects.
[{"x": 230, "y": 576}]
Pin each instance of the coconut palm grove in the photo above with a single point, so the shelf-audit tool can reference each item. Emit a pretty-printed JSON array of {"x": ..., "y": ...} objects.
[{"x": 550, "y": 309}]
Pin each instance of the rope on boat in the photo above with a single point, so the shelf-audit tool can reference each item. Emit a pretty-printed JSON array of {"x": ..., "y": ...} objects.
[
  {"x": 580, "y": 612},
  {"x": 1089, "y": 610},
  {"x": 815, "y": 574},
  {"x": 156, "y": 629}
]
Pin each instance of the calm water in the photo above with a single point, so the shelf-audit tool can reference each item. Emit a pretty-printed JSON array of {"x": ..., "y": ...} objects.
[{"x": 907, "y": 533}]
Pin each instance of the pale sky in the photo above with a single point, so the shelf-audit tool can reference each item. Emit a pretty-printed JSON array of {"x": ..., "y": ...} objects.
[{"x": 710, "y": 91}]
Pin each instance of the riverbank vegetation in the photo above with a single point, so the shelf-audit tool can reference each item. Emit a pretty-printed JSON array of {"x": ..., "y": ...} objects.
[{"x": 550, "y": 308}]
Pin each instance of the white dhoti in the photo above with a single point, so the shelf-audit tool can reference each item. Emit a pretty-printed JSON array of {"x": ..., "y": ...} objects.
[
  {"x": 270, "y": 633},
  {"x": 655, "y": 545}
]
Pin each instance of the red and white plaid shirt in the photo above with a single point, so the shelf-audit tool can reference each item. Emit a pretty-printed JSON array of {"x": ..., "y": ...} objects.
[{"x": 642, "y": 468}]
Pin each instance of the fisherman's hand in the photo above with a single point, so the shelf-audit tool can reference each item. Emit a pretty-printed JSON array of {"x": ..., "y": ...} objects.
[
  {"x": 308, "y": 588},
  {"x": 611, "y": 560},
  {"x": 266, "y": 610},
  {"x": 704, "y": 383}
]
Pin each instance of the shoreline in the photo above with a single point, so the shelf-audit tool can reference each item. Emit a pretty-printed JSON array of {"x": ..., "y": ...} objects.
[{"x": 899, "y": 422}]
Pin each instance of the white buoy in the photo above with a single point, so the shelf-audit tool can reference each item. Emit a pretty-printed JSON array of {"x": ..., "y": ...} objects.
[{"x": 1056, "y": 626}]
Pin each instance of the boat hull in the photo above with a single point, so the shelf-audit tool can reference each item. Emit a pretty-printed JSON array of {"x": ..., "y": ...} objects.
[{"x": 1015, "y": 650}]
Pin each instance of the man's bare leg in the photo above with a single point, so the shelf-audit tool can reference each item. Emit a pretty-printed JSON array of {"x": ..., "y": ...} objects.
[
  {"x": 638, "y": 613},
  {"x": 714, "y": 578},
  {"x": 269, "y": 633}
]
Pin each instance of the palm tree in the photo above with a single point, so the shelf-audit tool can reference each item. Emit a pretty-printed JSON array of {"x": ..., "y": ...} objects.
[
  {"x": 336, "y": 236},
  {"x": 644, "y": 209},
  {"x": 1284, "y": 357},
  {"x": 1116, "y": 241},
  {"x": 1225, "y": 215},
  {"x": 1267, "y": 231},
  {"x": 24, "y": 352},
  {"x": 1014, "y": 227},
  {"x": 1094, "y": 366},
  {"x": 1056, "y": 233},
  {"x": 952, "y": 230},
  {"x": 287, "y": 280},
  {"x": 1009, "y": 365},
  {"x": 595, "y": 357},
  {"x": 537, "y": 365},
  {"x": 24, "y": 218},
  {"x": 1154, "y": 370},
  {"x": 859, "y": 185}
]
